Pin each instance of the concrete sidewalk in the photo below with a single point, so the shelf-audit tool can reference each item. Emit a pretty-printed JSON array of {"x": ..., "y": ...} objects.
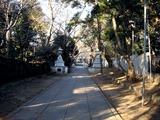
[{"x": 74, "y": 97}]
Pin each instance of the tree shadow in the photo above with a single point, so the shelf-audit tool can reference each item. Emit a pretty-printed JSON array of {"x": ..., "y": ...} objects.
[{"x": 135, "y": 111}]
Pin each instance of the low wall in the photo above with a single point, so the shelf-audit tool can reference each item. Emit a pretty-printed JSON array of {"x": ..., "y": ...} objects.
[
  {"x": 94, "y": 69},
  {"x": 138, "y": 62},
  {"x": 59, "y": 69}
]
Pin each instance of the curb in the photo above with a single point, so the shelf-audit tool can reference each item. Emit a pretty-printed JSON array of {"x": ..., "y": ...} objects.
[{"x": 109, "y": 103}]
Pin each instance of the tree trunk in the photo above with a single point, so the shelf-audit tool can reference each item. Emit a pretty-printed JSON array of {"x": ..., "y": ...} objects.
[
  {"x": 131, "y": 72},
  {"x": 115, "y": 32},
  {"x": 99, "y": 43},
  {"x": 121, "y": 67},
  {"x": 110, "y": 63},
  {"x": 7, "y": 38}
]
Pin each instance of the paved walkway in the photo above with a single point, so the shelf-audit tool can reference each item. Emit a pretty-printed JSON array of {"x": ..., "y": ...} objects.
[{"x": 74, "y": 97}]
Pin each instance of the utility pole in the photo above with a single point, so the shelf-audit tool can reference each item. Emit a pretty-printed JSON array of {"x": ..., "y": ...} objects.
[
  {"x": 133, "y": 26},
  {"x": 144, "y": 69},
  {"x": 150, "y": 59},
  {"x": 132, "y": 42}
]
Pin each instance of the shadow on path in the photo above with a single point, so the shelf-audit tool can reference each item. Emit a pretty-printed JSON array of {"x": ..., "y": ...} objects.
[{"x": 74, "y": 97}]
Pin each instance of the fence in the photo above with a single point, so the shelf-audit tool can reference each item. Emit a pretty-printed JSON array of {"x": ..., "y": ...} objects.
[{"x": 11, "y": 70}]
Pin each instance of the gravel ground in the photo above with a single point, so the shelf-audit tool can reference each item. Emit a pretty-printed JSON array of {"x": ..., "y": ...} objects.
[{"x": 13, "y": 95}]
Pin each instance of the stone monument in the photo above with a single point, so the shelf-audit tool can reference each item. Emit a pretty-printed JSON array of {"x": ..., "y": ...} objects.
[
  {"x": 59, "y": 66},
  {"x": 96, "y": 62}
]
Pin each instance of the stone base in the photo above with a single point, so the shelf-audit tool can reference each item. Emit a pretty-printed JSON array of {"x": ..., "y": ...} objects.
[
  {"x": 94, "y": 69},
  {"x": 96, "y": 65},
  {"x": 59, "y": 69}
]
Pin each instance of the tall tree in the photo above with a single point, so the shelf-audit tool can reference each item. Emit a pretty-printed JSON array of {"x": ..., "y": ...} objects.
[
  {"x": 13, "y": 14},
  {"x": 10, "y": 11},
  {"x": 113, "y": 10}
]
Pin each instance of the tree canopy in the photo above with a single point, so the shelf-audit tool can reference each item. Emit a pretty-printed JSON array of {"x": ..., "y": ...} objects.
[
  {"x": 113, "y": 22},
  {"x": 27, "y": 35}
]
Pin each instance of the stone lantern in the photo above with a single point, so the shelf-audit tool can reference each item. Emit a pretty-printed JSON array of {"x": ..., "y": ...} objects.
[
  {"x": 59, "y": 66},
  {"x": 60, "y": 51},
  {"x": 96, "y": 62},
  {"x": 59, "y": 62}
]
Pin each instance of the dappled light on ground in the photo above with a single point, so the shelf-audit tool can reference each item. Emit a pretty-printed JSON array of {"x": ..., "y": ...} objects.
[
  {"x": 111, "y": 73},
  {"x": 79, "y": 91},
  {"x": 74, "y": 97},
  {"x": 127, "y": 102},
  {"x": 121, "y": 78},
  {"x": 35, "y": 105},
  {"x": 81, "y": 76}
]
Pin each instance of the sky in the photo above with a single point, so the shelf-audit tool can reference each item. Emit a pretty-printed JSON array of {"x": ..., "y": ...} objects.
[
  {"x": 44, "y": 5},
  {"x": 65, "y": 13}
]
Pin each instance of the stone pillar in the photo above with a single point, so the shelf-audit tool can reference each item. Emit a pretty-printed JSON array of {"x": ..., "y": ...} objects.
[
  {"x": 59, "y": 66},
  {"x": 96, "y": 62}
]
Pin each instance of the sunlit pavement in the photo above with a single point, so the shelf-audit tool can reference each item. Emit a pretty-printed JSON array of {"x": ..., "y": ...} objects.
[{"x": 74, "y": 97}]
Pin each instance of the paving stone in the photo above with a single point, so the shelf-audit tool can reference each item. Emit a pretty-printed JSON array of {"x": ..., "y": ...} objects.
[{"x": 74, "y": 97}]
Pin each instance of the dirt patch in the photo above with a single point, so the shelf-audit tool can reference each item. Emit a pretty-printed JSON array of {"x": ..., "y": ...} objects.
[
  {"x": 127, "y": 103},
  {"x": 13, "y": 95}
]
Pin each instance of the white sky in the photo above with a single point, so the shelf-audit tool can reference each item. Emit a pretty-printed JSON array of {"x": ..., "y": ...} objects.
[{"x": 65, "y": 13}]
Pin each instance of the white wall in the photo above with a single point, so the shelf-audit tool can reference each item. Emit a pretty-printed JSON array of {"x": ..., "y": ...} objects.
[{"x": 138, "y": 62}]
